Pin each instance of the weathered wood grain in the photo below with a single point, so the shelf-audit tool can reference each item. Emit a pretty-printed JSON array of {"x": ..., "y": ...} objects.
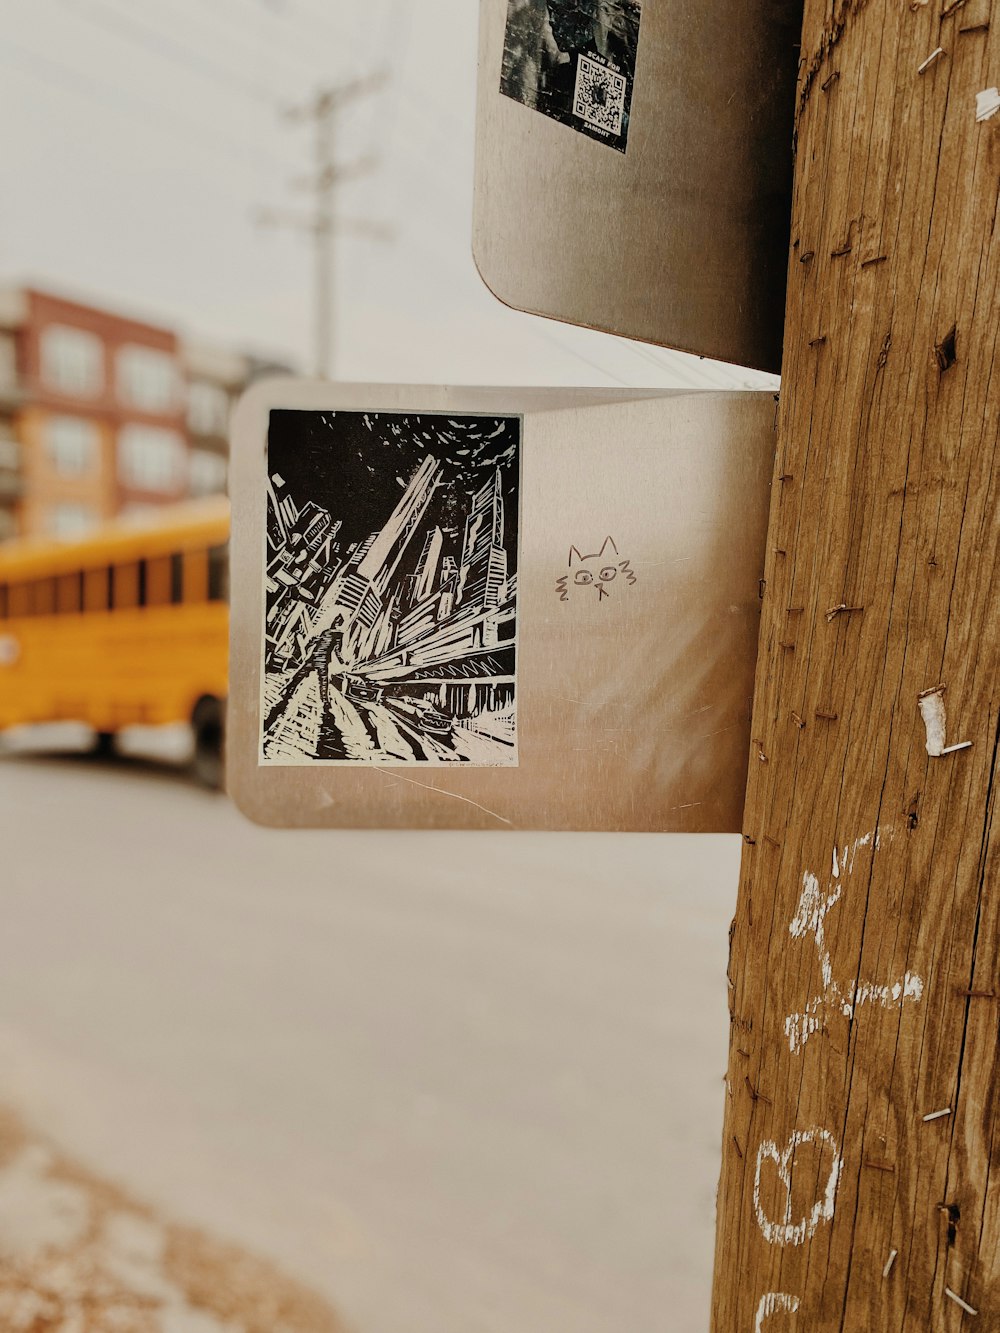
[{"x": 881, "y": 583}]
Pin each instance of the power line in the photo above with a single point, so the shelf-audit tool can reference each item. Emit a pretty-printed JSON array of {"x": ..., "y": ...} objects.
[
  {"x": 152, "y": 40},
  {"x": 64, "y": 77},
  {"x": 217, "y": 25},
  {"x": 323, "y": 225},
  {"x": 432, "y": 165},
  {"x": 397, "y": 29},
  {"x": 421, "y": 101},
  {"x": 218, "y": 29}
]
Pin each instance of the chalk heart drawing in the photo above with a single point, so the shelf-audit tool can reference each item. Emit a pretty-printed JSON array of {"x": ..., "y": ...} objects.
[
  {"x": 786, "y": 1231},
  {"x": 775, "y": 1302},
  {"x": 809, "y": 919}
]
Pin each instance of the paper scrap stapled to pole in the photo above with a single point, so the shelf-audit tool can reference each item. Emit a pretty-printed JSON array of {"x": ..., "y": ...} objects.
[{"x": 932, "y": 710}]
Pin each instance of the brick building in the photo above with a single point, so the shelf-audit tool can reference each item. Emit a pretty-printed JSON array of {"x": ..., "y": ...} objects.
[{"x": 103, "y": 415}]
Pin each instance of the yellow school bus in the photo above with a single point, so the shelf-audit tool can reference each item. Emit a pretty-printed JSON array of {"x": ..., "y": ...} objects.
[{"x": 127, "y": 625}]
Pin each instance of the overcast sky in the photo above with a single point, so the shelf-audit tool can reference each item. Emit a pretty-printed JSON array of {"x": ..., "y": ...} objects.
[{"x": 142, "y": 136}]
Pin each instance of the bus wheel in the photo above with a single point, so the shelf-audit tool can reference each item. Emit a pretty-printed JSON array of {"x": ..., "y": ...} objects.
[
  {"x": 207, "y": 722},
  {"x": 104, "y": 745}
]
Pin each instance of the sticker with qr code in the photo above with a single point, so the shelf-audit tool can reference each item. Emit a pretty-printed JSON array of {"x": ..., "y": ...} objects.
[
  {"x": 574, "y": 61},
  {"x": 599, "y": 97}
]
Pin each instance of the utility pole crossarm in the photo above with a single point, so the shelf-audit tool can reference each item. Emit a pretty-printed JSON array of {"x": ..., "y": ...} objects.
[{"x": 363, "y": 166}]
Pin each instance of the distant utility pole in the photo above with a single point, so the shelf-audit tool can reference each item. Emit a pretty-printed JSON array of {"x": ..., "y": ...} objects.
[{"x": 325, "y": 223}]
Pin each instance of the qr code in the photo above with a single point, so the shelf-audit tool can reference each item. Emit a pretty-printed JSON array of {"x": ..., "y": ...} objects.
[{"x": 599, "y": 96}]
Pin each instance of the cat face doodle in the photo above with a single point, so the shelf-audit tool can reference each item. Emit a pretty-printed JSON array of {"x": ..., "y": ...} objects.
[{"x": 598, "y": 574}]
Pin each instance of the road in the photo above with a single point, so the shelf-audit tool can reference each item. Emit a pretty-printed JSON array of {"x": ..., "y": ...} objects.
[{"x": 461, "y": 1083}]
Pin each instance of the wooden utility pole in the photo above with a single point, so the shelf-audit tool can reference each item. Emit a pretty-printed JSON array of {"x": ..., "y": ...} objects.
[
  {"x": 324, "y": 223},
  {"x": 860, "y": 1186}
]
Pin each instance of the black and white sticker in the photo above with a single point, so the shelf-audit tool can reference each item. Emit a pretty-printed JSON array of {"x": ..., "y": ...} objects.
[
  {"x": 574, "y": 61},
  {"x": 390, "y": 619}
]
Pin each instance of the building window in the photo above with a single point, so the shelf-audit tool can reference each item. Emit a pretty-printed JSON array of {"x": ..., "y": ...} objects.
[
  {"x": 8, "y": 361},
  {"x": 140, "y": 513},
  {"x": 10, "y": 450},
  {"x": 208, "y": 408},
  {"x": 147, "y": 378},
  {"x": 151, "y": 458},
  {"x": 72, "y": 360},
  {"x": 69, "y": 520},
  {"x": 72, "y": 445},
  {"x": 208, "y": 473}
]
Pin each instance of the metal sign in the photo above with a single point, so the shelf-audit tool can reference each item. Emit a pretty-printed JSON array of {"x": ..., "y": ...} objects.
[
  {"x": 495, "y": 608},
  {"x": 633, "y": 167}
]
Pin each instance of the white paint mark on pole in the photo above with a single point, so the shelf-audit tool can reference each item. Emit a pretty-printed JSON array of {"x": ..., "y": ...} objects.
[
  {"x": 987, "y": 103},
  {"x": 810, "y": 918},
  {"x": 787, "y": 1232},
  {"x": 937, "y": 1115},
  {"x": 889, "y": 1263},
  {"x": 801, "y": 1026},
  {"x": 774, "y": 1302}
]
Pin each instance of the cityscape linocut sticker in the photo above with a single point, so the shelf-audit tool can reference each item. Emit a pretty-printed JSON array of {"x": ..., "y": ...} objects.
[
  {"x": 574, "y": 60},
  {"x": 390, "y": 589}
]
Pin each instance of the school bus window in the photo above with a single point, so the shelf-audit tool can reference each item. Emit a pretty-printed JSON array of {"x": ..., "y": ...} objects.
[
  {"x": 176, "y": 578},
  {"x": 97, "y": 589},
  {"x": 19, "y": 600},
  {"x": 44, "y": 597},
  {"x": 195, "y": 576},
  {"x": 218, "y": 575},
  {"x": 158, "y": 581},
  {"x": 69, "y": 594},
  {"x": 143, "y": 579},
  {"x": 125, "y": 585},
  {"x": 3, "y": 601}
]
